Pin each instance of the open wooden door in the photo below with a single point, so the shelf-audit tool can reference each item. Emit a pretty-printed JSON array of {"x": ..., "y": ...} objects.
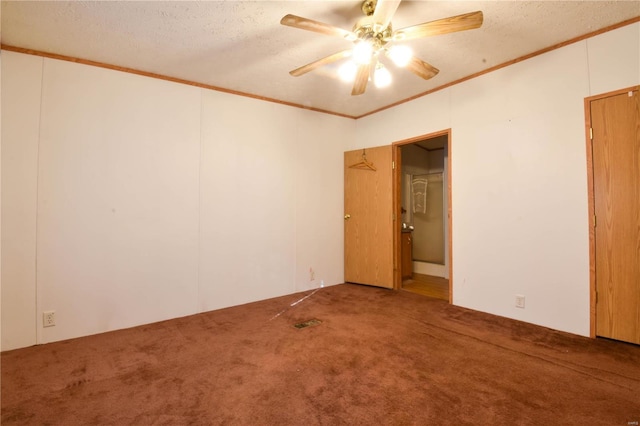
[
  {"x": 368, "y": 224},
  {"x": 615, "y": 123}
]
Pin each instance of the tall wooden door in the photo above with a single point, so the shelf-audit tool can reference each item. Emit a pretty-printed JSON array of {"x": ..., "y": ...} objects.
[
  {"x": 615, "y": 123},
  {"x": 368, "y": 210}
]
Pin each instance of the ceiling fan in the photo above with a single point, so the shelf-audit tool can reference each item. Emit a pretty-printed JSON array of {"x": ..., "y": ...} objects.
[{"x": 373, "y": 35}]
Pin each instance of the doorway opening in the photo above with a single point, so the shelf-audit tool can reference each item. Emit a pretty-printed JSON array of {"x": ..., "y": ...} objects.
[{"x": 422, "y": 184}]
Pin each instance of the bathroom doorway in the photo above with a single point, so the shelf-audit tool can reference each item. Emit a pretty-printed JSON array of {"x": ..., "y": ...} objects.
[{"x": 423, "y": 207}]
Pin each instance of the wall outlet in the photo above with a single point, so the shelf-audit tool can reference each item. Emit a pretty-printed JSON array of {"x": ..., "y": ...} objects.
[
  {"x": 312, "y": 274},
  {"x": 48, "y": 318},
  {"x": 519, "y": 301}
]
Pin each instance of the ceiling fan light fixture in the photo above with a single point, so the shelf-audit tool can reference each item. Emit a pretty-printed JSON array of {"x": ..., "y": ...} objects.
[
  {"x": 381, "y": 76},
  {"x": 362, "y": 52},
  {"x": 400, "y": 55},
  {"x": 371, "y": 35},
  {"x": 347, "y": 72}
]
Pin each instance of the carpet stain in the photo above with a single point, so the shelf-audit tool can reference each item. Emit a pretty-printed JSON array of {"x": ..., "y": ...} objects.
[{"x": 308, "y": 323}]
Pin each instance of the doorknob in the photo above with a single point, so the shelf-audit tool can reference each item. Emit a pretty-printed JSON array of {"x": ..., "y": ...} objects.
[{"x": 347, "y": 216}]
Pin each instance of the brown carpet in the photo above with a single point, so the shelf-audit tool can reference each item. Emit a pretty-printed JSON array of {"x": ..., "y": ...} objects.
[{"x": 378, "y": 357}]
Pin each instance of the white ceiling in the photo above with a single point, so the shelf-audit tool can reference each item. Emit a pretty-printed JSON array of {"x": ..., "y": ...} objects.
[{"x": 241, "y": 46}]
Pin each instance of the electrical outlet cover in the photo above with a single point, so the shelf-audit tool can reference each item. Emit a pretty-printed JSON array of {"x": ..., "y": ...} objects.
[{"x": 48, "y": 318}]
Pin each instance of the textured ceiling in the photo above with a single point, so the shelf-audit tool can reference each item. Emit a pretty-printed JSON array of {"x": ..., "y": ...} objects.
[{"x": 240, "y": 45}]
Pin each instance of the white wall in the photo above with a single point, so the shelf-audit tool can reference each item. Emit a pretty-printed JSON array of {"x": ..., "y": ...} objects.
[
  {"x": 248, "y": 202},
  {"x": 614, "y": 59},
  {"x": 129, "y": 200},
  {"x": 21, "y": 87},
  {"x": 519, "y": 179},
  {"x": 520, "y": 191},
  {"x": 271, "y": 191},
  {"x": 320, "y": 140},
  {"x": 117, "y": 231}
]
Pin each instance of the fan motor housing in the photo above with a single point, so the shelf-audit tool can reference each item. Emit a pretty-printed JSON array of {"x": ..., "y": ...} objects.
[
  {"x": 371, "y": 32},
  {"x": 368, "y": 7}
]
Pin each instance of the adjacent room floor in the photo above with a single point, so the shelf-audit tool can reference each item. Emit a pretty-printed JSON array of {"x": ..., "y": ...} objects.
[{"x": 428, "y": 285}]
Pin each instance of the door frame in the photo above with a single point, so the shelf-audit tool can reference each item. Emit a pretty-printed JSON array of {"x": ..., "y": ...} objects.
[
  {"x": 591, "y": 202},
  {"x": 397, "y": 204}
]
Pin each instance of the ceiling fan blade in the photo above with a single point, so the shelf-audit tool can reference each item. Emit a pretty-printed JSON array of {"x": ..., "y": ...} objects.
[
  {"x": 467, "y": 21},
  {"x": 321, "y": 62},
  {"x": 384, "y": 11},
  {"x": 316, "y": 26},
  {"x": 362, "y": 77},
  {"x": 421, "y": 68}
]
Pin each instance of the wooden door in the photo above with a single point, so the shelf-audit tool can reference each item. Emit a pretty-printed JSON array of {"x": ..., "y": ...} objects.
[
  {"x": 615, "y": 123},
  {"x": 368, "y": 224}
]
